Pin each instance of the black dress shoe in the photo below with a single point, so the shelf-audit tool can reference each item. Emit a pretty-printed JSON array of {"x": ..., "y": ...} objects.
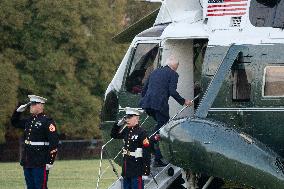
[{"x": 159, "y": 163}]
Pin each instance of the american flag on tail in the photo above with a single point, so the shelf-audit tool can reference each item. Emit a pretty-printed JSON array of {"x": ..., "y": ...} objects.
[{"x": 226, "y": 7}]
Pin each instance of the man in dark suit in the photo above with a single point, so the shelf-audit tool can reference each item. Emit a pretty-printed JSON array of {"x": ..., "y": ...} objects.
[{"x": 162, "y": 84}]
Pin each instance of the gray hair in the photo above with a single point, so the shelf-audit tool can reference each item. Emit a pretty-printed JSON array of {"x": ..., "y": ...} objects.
[{"x": 172, "y": 61}]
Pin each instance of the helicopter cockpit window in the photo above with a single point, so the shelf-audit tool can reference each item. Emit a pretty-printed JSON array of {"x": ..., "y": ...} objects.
[
  {"x": 241, "y": 87},
  {"x": 274, "y": 81},
  {"x": 144, "y": 61}
]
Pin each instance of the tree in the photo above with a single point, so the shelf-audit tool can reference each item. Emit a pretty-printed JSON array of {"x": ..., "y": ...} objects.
[
  {"x": 61, "y": 50},
  {"x": 58, "y": 49},
  {"x": 135, "y": 9},
  {"x": 76, "y": 110},
  {"x": 8, "y": 93}
]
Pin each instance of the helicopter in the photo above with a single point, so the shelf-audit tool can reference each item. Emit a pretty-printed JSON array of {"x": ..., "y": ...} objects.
[{"x": 230, "y": 54}]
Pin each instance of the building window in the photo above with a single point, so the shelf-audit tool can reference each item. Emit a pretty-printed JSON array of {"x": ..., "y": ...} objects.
[
  {"x": 274, "y": 81},
  {"x": 241, "y": 87},
  {"x": 144, "y": 61}
]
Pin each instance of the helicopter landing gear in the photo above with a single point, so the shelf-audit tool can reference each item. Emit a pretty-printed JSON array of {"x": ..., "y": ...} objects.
[
  {"x": 207, "y": 182},
  {"x": 178, "y": 183}
]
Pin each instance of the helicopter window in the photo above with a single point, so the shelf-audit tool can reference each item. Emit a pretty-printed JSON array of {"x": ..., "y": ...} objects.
[
  {"x": 241, "y": 84},
  {"x": 267, "y": 13},
  {"x": 278, "y": 21},
  {"x": 274, "y": 81},
  {"x": 144, "y": 60}
]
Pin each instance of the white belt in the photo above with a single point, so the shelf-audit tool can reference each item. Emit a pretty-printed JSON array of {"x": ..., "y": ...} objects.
[
  {"x": 36, "y": 143},
  {"x": 138, "y": 153}
]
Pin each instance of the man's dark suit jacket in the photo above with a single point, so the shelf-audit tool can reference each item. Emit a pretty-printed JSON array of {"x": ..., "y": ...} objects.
[{"x": 161, "y": 84}]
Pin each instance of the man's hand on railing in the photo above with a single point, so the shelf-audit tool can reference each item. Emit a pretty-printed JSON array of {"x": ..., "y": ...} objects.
[{"x": 188, "y": 102}]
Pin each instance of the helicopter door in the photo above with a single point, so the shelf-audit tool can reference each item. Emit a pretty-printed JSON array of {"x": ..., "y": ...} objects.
[
  {"x": 143, "y": 61},
  {"x": 235, "y": 98}
]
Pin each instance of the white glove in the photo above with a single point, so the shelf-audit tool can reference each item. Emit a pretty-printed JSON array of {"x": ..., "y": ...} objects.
[
  {"x": 49, "y": 166},
  {"x": 121, "y": 122},
  {"x": 145, "y": 177},
  {"x": 23, "y": 107}
]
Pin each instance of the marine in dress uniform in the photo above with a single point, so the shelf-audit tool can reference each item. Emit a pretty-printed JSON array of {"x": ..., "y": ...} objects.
[
  {"x": 40, "y": 142},
  {"x": 161, "y": 84},
  {"x": 136, "y": 155}
]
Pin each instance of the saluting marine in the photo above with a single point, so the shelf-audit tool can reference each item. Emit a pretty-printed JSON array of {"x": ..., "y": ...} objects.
[
  {"x": 136, "y": 155},
  {"x": 40, "y": 142}
]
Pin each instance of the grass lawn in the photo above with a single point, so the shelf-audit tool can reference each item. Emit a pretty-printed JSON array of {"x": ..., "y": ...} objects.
[{"x": 72, "y": 174}]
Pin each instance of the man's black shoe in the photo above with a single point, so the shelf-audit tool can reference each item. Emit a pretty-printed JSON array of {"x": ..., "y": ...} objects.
[{"x": 159, "y": 163}]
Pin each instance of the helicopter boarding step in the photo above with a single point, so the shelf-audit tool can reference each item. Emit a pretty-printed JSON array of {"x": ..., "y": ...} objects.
[{"x": 164, "y": 176}]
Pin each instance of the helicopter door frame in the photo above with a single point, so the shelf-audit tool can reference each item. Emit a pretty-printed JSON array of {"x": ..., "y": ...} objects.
[{"x": 183, "y": 48}]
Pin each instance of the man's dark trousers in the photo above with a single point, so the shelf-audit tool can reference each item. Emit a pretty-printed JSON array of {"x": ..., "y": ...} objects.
[
  {"x": 161, "y": 120},
  {"x": 36, "y": 178},
  {"x": 159, "y": 117},
  {"x": 161, "y": 84}
]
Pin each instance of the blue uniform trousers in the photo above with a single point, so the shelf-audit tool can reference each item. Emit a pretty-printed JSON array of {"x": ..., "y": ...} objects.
[
  {"x": 36, "y": 178},
  {"x": 133, "y": 183}
]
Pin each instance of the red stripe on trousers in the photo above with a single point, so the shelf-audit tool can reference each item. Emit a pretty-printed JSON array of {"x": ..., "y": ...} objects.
[
  {"x": 139, "y": 182},
  {"x": 44, "y": 178}
]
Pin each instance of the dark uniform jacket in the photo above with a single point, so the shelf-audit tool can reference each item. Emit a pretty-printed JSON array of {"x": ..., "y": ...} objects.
[
  {"x": 162, "y": 84},
  {"x": 37, "y": 128},
  {"x": 134, "y": 138}
]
